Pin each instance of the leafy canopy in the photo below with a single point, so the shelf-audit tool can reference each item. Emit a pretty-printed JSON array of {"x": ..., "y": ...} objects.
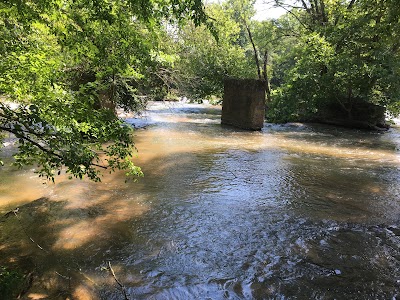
[
  {"x": 67, "y": 64},
  {"x": 345, "y": 52}
]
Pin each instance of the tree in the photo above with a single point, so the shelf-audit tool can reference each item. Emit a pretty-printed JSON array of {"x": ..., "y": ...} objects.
[
  {"x": 206, "y": 57},
  {"x": 260, "y": 36},
  {"x": 347, "y": 52},
  {"x": 66, "y": 63}
]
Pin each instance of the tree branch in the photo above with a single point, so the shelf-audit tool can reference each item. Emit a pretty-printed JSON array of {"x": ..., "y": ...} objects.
[
  {"x": 323, "y": 13},
  {"x": 254, "y": 49},
  {"x": 117, "y": 281},
  {"x": 296, "y": 17},
  {"x": 305, "y": 7},
  {"x": 351, "y": 4},
  {"x": 38, "y": 145}
]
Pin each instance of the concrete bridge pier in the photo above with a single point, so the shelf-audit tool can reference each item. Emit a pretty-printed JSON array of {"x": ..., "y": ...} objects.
[{"x": 243, "y": 104}]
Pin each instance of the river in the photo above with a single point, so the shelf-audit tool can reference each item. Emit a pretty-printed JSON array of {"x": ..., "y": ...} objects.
[{"x": 292, "y": 212}]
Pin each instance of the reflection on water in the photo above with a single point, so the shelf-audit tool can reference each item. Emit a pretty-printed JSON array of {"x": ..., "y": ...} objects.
[{"x": 295, "y": 211}]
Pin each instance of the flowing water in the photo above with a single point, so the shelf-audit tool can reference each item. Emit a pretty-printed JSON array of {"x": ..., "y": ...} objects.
[{"x": 291, "y": 212}]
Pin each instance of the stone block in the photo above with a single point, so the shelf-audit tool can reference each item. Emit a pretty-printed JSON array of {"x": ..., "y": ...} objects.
[
  {"x": 363, "y": 115},
  {"x": 243, "y": 104}
]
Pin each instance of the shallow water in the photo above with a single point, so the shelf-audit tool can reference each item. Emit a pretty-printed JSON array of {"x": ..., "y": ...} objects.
[{"x": 295, "y": 211}]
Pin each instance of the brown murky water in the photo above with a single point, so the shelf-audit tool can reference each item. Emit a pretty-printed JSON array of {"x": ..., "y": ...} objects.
[{"x": 292, "y": 212}]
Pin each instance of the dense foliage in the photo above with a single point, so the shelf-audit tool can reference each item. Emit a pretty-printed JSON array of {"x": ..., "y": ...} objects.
[
  {"x": 318, "y": 54},
  {"x": 68, "y": 64},
  {"x": 345, "y": 52}
]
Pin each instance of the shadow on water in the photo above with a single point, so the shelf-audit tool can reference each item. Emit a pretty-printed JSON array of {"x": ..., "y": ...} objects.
[{"x": 220, "y": 214}]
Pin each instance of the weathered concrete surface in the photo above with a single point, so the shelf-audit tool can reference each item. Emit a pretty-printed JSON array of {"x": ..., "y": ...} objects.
[
  {"x": 363, "y": 115},
  {"x": 243, "y": 103}
]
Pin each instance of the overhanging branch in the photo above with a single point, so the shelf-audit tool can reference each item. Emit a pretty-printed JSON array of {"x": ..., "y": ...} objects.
[{"x": 41, "y": 147}]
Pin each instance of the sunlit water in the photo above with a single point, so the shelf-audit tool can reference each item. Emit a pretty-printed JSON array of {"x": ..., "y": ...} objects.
[{"x": 291, "y": 212}]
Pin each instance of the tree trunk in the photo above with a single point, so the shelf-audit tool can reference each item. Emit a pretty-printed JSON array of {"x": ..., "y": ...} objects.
[
  {"x": 266, "y": 79},
  {"x": 255, "y": 50}
]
